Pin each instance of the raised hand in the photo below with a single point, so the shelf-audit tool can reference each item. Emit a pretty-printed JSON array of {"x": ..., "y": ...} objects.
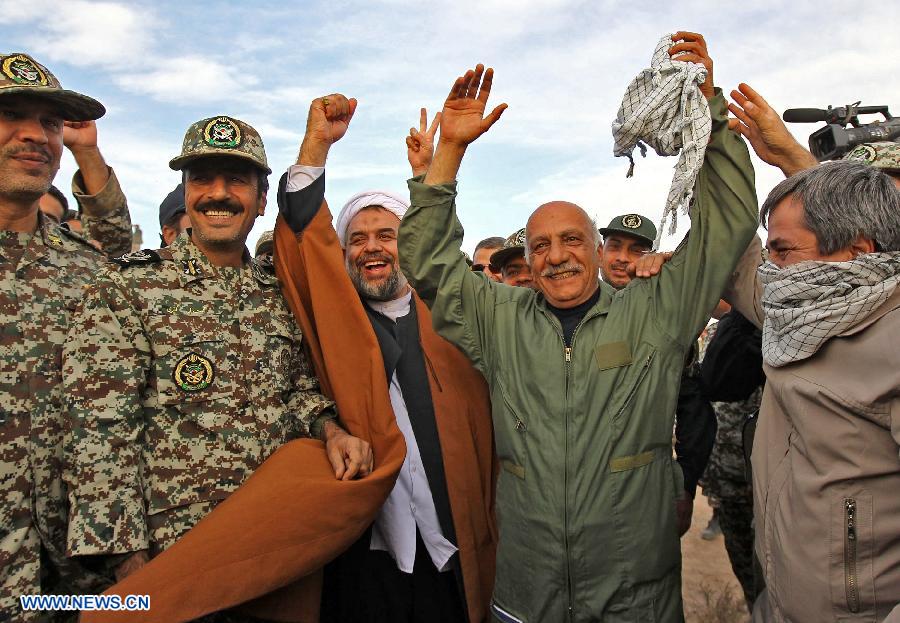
[
  {"x": 463, "y": 120},
  {"x": 692, "y": 48},
  {"x": 420, "y": 143},
  {"x": 80, "y": 135},
  {"x": 327, "y": 122},
  {"x": 765, "y": 131}
]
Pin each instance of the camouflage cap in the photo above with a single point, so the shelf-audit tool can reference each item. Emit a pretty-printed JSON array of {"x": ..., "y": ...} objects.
[
  {"x": 883, "y": 155},
  {"x": 513, "y": 246},
  {"x": 633, "y": 225},
  {"x": 265, "y": 243},
  {"x": 221, "y": 136},
  {"x": 22, "y": 75}
]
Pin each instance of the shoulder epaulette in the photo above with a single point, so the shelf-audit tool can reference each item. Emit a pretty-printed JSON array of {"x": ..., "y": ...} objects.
[
  {"x": 56, "y": 234},
  {"x": 144, "y": 256}
]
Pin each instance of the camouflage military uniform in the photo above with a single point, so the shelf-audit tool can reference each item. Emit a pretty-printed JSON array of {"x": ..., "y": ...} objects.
[
  {"x": 181, "y": 378},
  {"x": 104, "y": 216},
  {"x": 42, "y": 278},
  {"x": 725, "y": 481}
]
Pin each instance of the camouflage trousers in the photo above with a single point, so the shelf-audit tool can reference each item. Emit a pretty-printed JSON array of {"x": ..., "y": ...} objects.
[{"x": 736, "y": 521}]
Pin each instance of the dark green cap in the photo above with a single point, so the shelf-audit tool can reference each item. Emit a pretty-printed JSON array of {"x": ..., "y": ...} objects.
[{"x": 633, "y": 225}]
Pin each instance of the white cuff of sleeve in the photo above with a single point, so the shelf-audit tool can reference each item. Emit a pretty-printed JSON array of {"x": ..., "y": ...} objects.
[{"x": 301, "y": 175}]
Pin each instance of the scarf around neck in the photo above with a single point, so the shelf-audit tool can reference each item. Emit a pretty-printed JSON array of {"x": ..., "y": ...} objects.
[{"x": 808, "y": 303}]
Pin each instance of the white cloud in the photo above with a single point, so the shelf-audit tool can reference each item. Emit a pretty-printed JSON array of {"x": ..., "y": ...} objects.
[
  {"x": 82, "y": 32},
  {"x": 193, "y": 79}
]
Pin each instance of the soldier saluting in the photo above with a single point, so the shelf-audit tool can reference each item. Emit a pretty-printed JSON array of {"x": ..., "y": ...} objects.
[
  {"x": 186, "y": 367},
  {"x": 43, "y": 270}
]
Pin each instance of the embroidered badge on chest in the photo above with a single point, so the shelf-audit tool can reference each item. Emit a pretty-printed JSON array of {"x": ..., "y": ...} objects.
[
  {"x": 193, "y": 372},
  {"x": 22, "y": 70},
  {"x": 222, "y": 132}
]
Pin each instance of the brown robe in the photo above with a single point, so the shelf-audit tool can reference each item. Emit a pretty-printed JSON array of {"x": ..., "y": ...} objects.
[{"x": 269, "y": 540}]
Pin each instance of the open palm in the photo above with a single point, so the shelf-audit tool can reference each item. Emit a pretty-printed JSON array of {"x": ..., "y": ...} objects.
[{"x": 463, "y": 120}]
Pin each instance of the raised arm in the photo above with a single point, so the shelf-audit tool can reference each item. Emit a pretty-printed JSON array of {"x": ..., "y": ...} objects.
[
  {"x": 763, "y": 128},
  {"x": 430, "y": 234},
  {"x": 102, "y": 204},
  {"x": 723, "y": 219}
]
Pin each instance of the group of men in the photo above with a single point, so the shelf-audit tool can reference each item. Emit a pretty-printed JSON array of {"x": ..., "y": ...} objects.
[{"x": 538, "y": 482}]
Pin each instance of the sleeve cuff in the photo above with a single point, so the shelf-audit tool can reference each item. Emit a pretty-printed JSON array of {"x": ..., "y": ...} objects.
[
  {"x": 318, "y": 425},
  {"x": 104, "y": 202},
  {"x": 114, "y": 526},
  {"x": 299, "y": 176},
  {"x": 424, "y": 195}
]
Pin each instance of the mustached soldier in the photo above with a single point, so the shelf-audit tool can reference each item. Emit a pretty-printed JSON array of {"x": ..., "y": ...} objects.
[
  {"x": 43, "y": 271},
  {"x": 186, "y": 369}
]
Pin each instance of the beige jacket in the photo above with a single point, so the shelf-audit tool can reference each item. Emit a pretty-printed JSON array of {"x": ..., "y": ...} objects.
[{"x": 826, "y": 470}]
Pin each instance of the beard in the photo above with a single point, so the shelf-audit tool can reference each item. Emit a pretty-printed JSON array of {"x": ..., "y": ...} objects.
[
  {"x": 385, "y": 290},
  {"x": 26, "y": 187}
]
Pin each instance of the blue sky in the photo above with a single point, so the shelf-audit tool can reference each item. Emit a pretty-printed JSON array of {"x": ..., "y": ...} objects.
[{"x": 561, "y": 65}]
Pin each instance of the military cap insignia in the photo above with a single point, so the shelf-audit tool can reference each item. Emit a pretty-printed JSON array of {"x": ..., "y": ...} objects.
[
  {"x": 862, "y": 153},
  {"x": 193, "y": 372},
  {"x": 22, "y": 70},
  {"x": 631, "y": 221},
  {"x": 222, "y": 132},
  {"x": 144, "y": 256}
]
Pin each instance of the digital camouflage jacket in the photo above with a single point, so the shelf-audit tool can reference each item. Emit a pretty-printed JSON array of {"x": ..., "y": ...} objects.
[{"x": 181, "y": 379}]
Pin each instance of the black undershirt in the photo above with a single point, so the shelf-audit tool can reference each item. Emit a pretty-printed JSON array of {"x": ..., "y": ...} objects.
[{"x": 569, "y": 318}]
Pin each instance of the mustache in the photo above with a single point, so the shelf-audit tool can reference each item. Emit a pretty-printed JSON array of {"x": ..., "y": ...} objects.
[
  {"x": 568, "y": 267},
  {"x": 29, "y": 149},
  {"x": 623, "y": 266},
  {"x": 226, "y": 204}
]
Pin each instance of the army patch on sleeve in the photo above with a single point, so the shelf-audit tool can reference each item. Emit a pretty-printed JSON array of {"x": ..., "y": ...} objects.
[
  {"x": 222, "y": 132},
  {"x": 193, "y": 372},
  {"x": 22, "y": 70}
]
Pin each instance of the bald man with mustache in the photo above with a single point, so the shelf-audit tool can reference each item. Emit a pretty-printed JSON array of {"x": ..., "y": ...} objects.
[{"x": 583, "y": 378}]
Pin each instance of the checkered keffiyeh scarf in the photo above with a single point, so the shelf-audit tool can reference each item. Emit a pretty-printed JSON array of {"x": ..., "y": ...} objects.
[
  {"x": 664, "y": 108},
  {"x": 808, "y": 303}
]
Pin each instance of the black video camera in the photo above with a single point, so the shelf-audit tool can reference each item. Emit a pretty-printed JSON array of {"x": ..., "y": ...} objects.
[{"x": 835, "y": 139}]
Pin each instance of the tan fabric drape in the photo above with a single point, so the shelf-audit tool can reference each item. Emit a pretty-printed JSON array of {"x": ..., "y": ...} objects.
[
  {"x": 291, "y": 516},
  {"x": 268, "y": 541}
]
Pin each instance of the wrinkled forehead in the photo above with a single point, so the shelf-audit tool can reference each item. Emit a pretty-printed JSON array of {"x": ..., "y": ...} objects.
[
  {"x": 557, "y": 217},
  {"x": 373, "y": 218}
]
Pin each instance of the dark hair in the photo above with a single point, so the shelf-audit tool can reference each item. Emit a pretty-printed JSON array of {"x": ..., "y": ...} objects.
[
  {"x": 494, "y": 242},
  {"x": 56, "y": 193},
  {"x": 843, "y": 200}
]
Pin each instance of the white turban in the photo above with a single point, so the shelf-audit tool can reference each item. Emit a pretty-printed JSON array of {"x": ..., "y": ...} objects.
[{"x": 382, "y": 198}]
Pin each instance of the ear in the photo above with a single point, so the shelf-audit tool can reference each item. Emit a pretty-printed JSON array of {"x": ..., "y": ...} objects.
[
  {"x": 261, "y": 208},
  {"x": 862, "y": 245}
]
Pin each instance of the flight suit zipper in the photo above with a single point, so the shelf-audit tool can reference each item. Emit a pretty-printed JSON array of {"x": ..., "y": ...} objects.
[
  {"x": 567, "y": 357},
  {"x": 851, "y": 584}
]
